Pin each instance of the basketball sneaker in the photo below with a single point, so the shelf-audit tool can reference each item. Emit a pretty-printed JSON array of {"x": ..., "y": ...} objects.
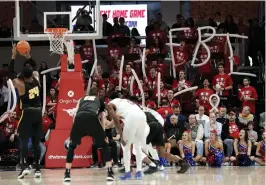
[
  {"x": 37, "y": 174},
  {"x": 138, "y": 175},
  {"x": 184, "y": 166},
  {"x": 126, "y": 176},
  {"x": 24, "y": 171},
  {"x": 110, "y": 175},
  {"x": 151, "y": 170},
  {"x": 67, "y": 177}
]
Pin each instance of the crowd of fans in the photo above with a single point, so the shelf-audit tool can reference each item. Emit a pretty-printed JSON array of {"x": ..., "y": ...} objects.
[{"x": 189, "y": 117}]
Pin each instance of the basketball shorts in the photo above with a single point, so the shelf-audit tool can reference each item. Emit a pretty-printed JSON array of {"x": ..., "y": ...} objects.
[
  {"x": 87, "y": 124},
  {"x": 155, "y": 136},
  {"x": 30, "y": 123}
]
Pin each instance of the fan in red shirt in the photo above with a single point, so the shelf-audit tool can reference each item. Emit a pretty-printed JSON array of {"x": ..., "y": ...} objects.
[
  {"x": 149, "y": 103},
  {"x": 222, "y": 82},
  {"x": 114, "y": 54},
  {"x": 126, "y": 78},
  {"x": 236, "y": 60},
  {"x": 180, "y": 56},
  {"x": 106, "y": 84},
  {"x": 10, "y": 125},
  {"x": 181, "y": 84},
  {"x": 151, "y": 80},
  {"x": 87, "y": 53},
  {"x": 97, "y": 75},
  {"x": 164, "y": 110},
  {"x": 203, "y": 95},
  {"x": 46, "y": 122},
  {"x": 171, "y": 100},
  {"x": 115, "y": 35},
  {"x": 205, "y": 69},
  {"x": 157, "y": 33},
  {"x": 51, "y": 99},
  {"x": 248, "y": 95},
  {"x": 163, "y": 92}
]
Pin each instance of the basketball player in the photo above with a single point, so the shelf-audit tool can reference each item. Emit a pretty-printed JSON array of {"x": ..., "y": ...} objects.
[
  {"x": 30, "y": 123},
  {"x": 134, "y": 120},
  {"x": 156, "y": 138},
  {"x": 86, "y": 123}
]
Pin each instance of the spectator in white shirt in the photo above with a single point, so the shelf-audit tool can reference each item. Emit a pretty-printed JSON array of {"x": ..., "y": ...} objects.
[
  {"x": 201, "y": 117},
  {"x": 212, "y": 124}
]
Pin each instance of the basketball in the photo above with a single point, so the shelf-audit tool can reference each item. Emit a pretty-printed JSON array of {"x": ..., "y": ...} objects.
[{"x": 23, "y": 47}]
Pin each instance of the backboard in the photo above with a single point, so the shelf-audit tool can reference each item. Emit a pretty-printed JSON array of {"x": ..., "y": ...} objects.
[{"x": 32, "y": 19}]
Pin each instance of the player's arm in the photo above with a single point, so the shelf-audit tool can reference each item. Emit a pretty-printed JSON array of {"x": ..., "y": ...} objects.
[
  {"x": 111, "y": 111},
  {"x": 36, "y": 76},
  {"x": 77, "y": 107}
]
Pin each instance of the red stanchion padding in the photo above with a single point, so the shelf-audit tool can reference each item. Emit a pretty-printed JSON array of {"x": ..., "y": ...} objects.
[
  {"x": 71, "y": 89},
  {"x": 56, "y": 152}
]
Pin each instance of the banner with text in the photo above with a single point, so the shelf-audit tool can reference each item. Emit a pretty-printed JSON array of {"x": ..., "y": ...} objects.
[{"x": 135, "y": 15}]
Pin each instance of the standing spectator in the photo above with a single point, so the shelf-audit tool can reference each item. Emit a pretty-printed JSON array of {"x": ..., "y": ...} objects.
[
  {"x": 107, "y": 27},
  {"x": 135, "y": 33},
  {"x": 242, "y": 28},
  {"x": 3, "y": 96},
  {"x": 150, "y": 27},
  {"x": 124, "y": 28},
  {"x": 87, "y": 53},
  {"x": 182, "y": 83},
  {"x": 229, "y": 25},
  {"x": 203, "y": 95},
  {"x": 181, "y": 56},
  {"x": 245, "y": 117},
  {"x": 202, "y": 21},
  {"x": 217, "y": 18},
  {"x": 115, "y": 21},
  {"x": 248, "y": 95},
  {"x": 162, "y": 24},
  {"x": 179, "y": 22},
  {"x": 230, "y": 132},
  {"x": 163, "y": 92},
  {"x": 222, "y": 83},
  {"x": 196, "y": 133},
  {"x": 201, "y": 117},
  {"x": 46, "y": 122},
  {"x": 4, "y": 30}
]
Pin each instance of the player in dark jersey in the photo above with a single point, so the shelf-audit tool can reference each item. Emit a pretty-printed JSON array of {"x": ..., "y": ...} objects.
[
  {"x": 86, "y": 123},
  {"x": 30, "y": 123},
  {"x": 156, "y": 138}
]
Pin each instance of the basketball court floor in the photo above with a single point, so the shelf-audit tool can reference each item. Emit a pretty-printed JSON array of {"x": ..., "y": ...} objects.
[{"x": 195, "y": 176}]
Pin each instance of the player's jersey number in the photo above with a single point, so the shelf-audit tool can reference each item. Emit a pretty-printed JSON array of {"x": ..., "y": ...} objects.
[{"x": 34, "y": 92}]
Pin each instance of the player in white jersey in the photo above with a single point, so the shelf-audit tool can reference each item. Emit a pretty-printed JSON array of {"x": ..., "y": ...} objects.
[{"x": 134, "y": 120}]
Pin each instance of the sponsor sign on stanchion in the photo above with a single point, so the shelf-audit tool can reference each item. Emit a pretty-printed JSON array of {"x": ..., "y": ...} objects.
[{"x": 71, "y": 89}]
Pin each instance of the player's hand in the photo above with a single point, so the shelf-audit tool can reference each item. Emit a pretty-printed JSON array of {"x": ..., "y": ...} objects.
[
  {"x": 14, "y": 51},
  {"x": 27, "y": 55}
]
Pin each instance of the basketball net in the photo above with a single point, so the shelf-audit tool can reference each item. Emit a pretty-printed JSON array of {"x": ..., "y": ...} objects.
[{"x": 57, "y": 42}]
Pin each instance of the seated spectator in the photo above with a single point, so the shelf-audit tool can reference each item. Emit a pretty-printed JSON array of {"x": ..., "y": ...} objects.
[
  {"x": 244, "y": 118},
  {"x": 248, "y": 95},
  {"x": 163, "y": 92},
  {"x": 177, "y": 112},
  {"x": 196, "y": 133},
  {"x": 46, "y": 122},
  {"x": 51, "y": 101},
  {"x": 162, "y": 25},
  {"x": 201, "y": 117},
  {"x": 252, "y": 134},
  {"x": 260, "y": 151},
  {"x": 230, "y": 132},
  {"x": 106, "y": 84},
  {"x": 173, "y": 130},
  {"x": 172, "y": 102},
  {"x": 222, "y": 116},
  {"x": 156, "y": 32},
  {"x": 164, "y": 110},
  {"x": 211, "y": 125},
  {"x": 8, "y": 133}
]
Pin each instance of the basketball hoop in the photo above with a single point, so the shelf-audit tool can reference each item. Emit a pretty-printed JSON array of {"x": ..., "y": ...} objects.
[{"x": 56, "y": 37}]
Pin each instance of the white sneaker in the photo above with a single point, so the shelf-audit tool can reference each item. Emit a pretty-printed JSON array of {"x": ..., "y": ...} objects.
[{"x": 225, "y": 164}]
